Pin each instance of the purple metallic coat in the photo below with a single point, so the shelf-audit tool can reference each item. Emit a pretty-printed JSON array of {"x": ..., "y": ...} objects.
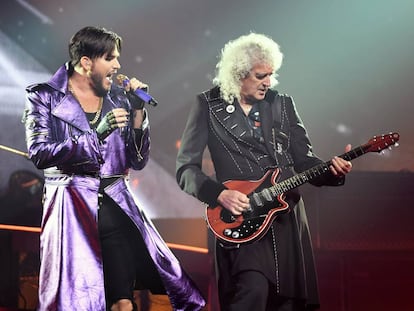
[{"x": 59, "y": 138}]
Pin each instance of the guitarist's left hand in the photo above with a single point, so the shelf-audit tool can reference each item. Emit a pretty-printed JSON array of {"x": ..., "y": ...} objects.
[{"x": 341, "y": 166}]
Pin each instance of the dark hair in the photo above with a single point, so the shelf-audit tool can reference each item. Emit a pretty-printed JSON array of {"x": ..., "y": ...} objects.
[{"x": 92, "y": 42}]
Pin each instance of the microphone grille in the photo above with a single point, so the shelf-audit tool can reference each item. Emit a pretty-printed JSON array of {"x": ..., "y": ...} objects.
[{"x": 121, "y": 79}]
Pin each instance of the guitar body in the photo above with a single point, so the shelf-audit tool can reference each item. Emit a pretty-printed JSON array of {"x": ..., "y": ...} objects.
[{"x": 251, "y": 225}]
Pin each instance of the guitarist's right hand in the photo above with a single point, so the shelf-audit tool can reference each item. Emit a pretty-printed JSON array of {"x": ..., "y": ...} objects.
[{"x": 234, "y": 201}]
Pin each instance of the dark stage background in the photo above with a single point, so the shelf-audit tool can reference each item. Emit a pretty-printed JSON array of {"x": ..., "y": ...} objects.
[{"x": 349, "y": 67}]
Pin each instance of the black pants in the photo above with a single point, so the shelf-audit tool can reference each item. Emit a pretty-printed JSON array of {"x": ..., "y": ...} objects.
[
  {"x": 252, "y": 291},
  {"x": 118, "y": 237},
  {"x": 127, "y": 264}
]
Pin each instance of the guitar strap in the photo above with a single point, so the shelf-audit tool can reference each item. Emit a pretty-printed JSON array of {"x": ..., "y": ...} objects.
[
  {"x": 279, "y": 136},
  {"x": 277, "y": 110}
]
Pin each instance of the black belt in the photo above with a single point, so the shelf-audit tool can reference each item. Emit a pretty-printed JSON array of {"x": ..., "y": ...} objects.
[
  {"x": 105, "y": 182},
  {"x": 54, "y": 172}
]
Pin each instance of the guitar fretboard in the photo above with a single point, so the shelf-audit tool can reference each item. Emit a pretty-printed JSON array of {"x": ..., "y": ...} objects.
[{"x": 308, "y": 175}]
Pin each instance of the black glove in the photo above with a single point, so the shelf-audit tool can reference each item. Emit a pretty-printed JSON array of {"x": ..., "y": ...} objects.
[
  {"x": 107, "y": 125},
  {"x": 136, "y": 102}
]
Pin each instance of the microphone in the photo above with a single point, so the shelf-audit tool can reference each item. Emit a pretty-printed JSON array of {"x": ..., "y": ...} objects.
[{"x": 141, "y": 93}]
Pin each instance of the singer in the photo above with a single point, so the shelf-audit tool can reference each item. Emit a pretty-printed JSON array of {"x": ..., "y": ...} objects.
[{"x": 97, "y": 246}]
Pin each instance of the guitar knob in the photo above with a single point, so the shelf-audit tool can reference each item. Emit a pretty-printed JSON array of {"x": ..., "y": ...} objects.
[
  {"x": 235, "y": 234},
  {"x": 227, "y": 232}
]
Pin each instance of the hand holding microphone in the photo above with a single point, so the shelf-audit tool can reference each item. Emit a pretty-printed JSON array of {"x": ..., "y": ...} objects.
[{"x": 136, "y": 92}]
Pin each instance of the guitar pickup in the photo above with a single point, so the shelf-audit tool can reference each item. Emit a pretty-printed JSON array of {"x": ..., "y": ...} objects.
[
  {"x": 267, "y": 195},
  {"x": 257, "y": 201}
]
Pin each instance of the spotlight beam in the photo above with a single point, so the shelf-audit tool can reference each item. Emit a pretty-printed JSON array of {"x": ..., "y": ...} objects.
[{"x": 43, "y": 18}]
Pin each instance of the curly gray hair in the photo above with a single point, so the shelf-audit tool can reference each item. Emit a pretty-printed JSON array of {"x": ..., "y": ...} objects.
[{"x": 239, "y": 56}]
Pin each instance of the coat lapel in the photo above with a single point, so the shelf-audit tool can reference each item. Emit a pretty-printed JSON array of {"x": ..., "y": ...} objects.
[
  {"x": 71, "y": 112},
  {"x": 235, "y": 124},
  {"x": 232, "y": 122}
]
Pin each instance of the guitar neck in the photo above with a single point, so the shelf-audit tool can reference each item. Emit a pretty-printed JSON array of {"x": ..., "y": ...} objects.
[{"x": 314, "y": 172}]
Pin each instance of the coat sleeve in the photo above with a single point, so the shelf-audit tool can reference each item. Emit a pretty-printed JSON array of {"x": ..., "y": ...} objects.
[
  {"x": 137, "y": 141},
  {"x": 45, "y": 147},
  {"x": 301, "y": 149},
  {"x": 138, "y": 146},
  {"x": 189, "y": 174}
]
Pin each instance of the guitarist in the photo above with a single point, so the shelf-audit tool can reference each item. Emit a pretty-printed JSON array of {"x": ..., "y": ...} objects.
[{"x": 249, "y": 129}]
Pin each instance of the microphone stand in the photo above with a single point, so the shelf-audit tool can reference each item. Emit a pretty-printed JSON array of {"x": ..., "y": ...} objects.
[{"x": 24, "y": 154}]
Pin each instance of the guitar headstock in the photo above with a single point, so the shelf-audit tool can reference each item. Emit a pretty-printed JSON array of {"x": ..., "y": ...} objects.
[{"x": 381, "y": 142}]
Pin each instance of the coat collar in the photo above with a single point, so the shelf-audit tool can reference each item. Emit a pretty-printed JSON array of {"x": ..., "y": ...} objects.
[
  {"x": 59, "y": 81},
  {"x": 68, "y": 108}
]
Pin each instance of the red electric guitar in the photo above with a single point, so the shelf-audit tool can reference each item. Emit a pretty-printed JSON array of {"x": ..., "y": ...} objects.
[{"x": 267, "y": 197}]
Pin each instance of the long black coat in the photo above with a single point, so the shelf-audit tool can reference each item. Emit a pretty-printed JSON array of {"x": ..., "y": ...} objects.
[{"x": 284, "y": 255}]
